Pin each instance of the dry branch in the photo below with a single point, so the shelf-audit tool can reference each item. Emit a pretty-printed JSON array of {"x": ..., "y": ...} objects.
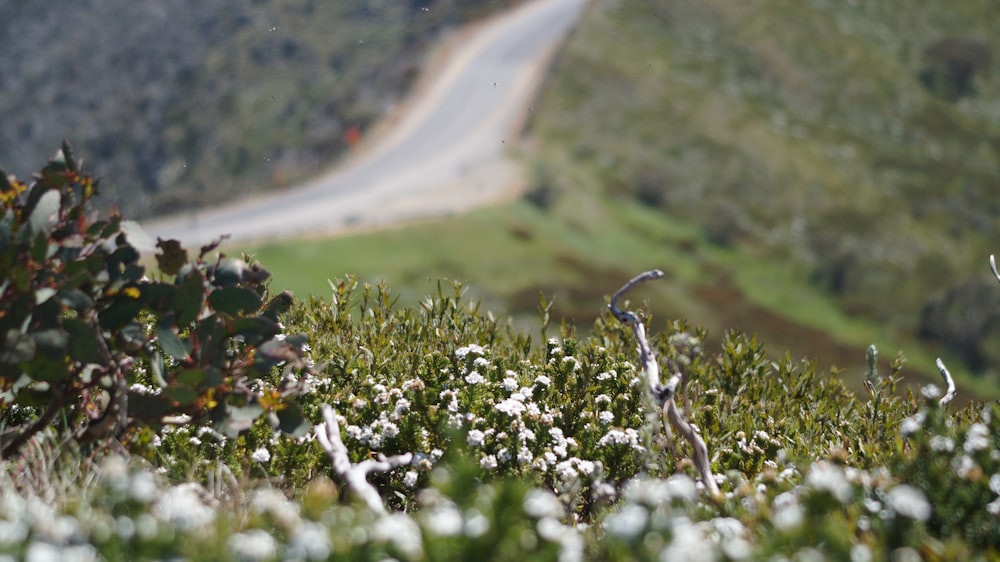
[
  {"x": 664, "y": 394},
  {"x": 949, "y": 395},
  {"x": 355, "y": 475}
]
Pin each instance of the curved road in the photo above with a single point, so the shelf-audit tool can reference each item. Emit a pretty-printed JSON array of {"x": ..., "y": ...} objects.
[{"x": 445, "y": 154}]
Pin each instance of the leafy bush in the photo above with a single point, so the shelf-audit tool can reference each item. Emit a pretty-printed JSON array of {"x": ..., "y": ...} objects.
[{"x": 89, "y": 342}]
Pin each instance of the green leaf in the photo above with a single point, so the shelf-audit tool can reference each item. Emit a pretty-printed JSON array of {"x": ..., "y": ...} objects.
[
  {"x": 240, "y": 418},
  {"x": 191, "y": 377},
  {"x": 157, "y": 369},
  {"x": 122, "y": 310},
  {"x": 158, "y": 296},
  {"x": 279, "y": 305},
  {"x": 75, "y": 299},
  {"x": 230, "y": 272},
  {"x": 171, "y": 343},
  {"x": 17, "y": 348},
  {"x": 83, "y": 343},
  {"x": 149, "y": 407},
  {"x": 234, "y": 300},
  {"x": 45, "y": 213},
  {"x": 66, "y": 156},
  {"x": 53, "y": 342},
  {"x": 172, "y": 257},
  {"x": 190, "y": 298},
  {"x": 254, "y": 329},
  {"x": 184, "y": 395},
  {"x": 136, "y": 236},
  {"x": 292, "y": 421},
  {"x": 44, "y": 294},
  {"x": 212, "y": 341}
]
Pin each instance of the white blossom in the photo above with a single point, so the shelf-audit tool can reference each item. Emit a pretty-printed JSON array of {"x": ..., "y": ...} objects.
[
  {"x": 787, "y": 512},
  {"x": 474, "y": 378},
  {"x": 261, "y": 455},
  {"x": 475, "y": 437},
  {"x": 628, "y": 522},
  {"x": 827, "y": 476},
  {"x": 467, "y": 349},
  {"x": 410, "y": 478},
  {"x": 253, "y": 544},
  {"x": 909, "y": 501},
  {"x": 977, "y": 439},
  {"x": 488, "y": 462}
]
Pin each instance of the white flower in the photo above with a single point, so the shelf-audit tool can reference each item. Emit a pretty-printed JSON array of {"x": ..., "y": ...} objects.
[
  {"x": 977, "y": 439},
  {"x": 467, "y": 349},
  {"x": 827, "y": 476},
  {"x": 542, "y": 503},
  {"x": 689, "y": 544},
  {"x": 994, "y": 507},
  {"x": 509, "y": 384},
  {"x": 410, "y": 478},
  {"x": 603, "y": 376},
  {"x": 606, "y": 417},
  {"x": 310, "y": 540},
  {"x": 474, "y": 378},
  {"x": 682, "y": 487},
  {"x": 401, "y": 531},
  {"x": 963, "y": 465},
  {"x": 861, "y": 553},
  {"x": 602, "y": 399},
  {"x": 261, "y": 455},
  {"x": 183, "y": 506},
  {"x": 912, "y": 424},
  {"x": 524, "y": 456},
  {"x": 511, "y": 407},
  {"x": 942, "y": 444},
  {"x": 253, "y": 544},
  {"x": 142, "y": 487},
  {"x": 995, "y": 483},
  {"x": 543, "y": 380},
  {"x": 909, "y": 502},
  {"x": 628, "y": 522},
  {"x": 930, "y": 391},
  {"x": 488, "y": 462},
  {"x": 475, "y": 437},
  {"x": 787, "y": 514}
]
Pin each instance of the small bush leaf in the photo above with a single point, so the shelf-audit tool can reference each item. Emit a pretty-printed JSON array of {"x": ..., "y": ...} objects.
[
  {"x": 171, "y": 343},
  {"x": 234, "y": 300}
]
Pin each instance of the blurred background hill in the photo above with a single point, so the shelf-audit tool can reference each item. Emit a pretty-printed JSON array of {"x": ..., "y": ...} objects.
[
  {"x": 183, "y": 103},
  {"x": 856, "y": 142}
]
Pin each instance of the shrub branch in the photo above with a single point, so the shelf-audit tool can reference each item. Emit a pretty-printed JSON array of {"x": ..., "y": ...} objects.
[
  {"x": 664, "y": 394},
  {"x": 949, "y": 395},
  {"x": 355, "y": 475}
]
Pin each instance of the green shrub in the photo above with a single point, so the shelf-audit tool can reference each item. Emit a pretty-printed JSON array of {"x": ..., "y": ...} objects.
[{"x": 89, "y": 342}]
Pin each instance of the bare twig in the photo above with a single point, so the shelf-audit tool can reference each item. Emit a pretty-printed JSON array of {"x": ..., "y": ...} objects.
[
  {"x": 993, "y": 267},
  {"x": 664, "y": 394},
  {"x": 949, "y": 395},
  {"x": 355, "y": 475}
]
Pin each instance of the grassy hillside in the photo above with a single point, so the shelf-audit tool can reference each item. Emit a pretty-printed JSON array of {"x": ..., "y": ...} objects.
[
  {"x": 855, "y": 144},
  {"x": 184, "y": 103}
]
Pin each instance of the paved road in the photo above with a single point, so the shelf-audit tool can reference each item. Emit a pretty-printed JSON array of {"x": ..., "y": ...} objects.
[{"x": 447, "y": 153}]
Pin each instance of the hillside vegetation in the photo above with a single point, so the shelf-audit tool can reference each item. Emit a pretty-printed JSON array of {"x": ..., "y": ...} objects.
[
  {"x": 854, "y": 143},
  {"x": 182, "y": 103}
]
